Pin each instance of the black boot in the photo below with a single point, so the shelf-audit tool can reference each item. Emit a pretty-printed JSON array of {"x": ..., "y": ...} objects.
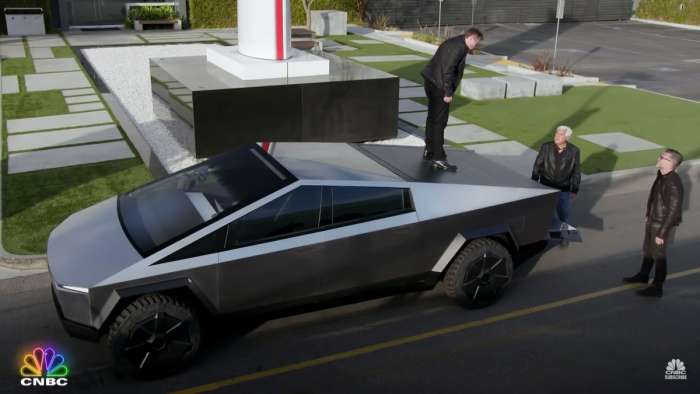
[
  {"x": 643, "y": 274},
  {"x": 639, "y": 278},
  {"x": 651, "y": 291}
]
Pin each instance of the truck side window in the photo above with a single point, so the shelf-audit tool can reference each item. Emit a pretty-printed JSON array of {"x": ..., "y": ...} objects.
[
  {"x": 296, "y": 212},
  {"x": 357, "y": 204}
]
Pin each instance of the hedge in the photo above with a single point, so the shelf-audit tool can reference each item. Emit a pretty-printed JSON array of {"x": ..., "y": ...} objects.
[
  {"x": 45, "y": 4},
  {"x": 677, "y": 11},
  {"x": 222, "y": 13}
]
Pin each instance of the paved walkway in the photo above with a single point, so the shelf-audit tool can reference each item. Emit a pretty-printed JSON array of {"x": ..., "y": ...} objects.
[{"x": 86, "y": 134}]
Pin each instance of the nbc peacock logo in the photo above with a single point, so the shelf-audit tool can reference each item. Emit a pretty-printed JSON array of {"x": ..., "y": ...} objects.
[
  {"x": 675, "y": 370},
  {"x": 44, "y": 367}
]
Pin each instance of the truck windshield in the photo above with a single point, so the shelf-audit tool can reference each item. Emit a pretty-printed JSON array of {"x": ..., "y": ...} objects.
[{"x": 161, "y": 212}]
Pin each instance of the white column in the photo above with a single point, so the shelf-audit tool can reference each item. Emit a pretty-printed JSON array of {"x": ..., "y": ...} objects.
[{"x": 265, "y": 28}]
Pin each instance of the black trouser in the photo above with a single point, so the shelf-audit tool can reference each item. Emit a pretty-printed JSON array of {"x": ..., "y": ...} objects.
[
  {"x": 438, "y": 113},
  {"x": 653, "y": 254}
]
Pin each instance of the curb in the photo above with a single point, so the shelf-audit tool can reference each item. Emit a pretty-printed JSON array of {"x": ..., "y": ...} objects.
[
  {"x": 620, "y": 174},
  {"x": 668, "y": 24},
  {"x": 22, "y": 264}
]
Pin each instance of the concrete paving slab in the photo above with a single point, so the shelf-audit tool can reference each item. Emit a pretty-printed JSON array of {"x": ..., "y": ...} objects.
[
  {"x": 85, "y": 107},
  {"x": 186, "y": 98},
  {"x": 620, "y": 142},
  {"x": 405, "y": 83},
  {"x": 57, "y": 121},
  {"x": 483, "y": 88},
  {"x": 45, "y": 41},
  {"x": 54, "y": 81},
  {"x": 70, "y": 156},
  {"x": 99, "y": 39},
  {"x": 9, "y": 84},
  {"x": 174, "y": 85},
  {"x": 161, "y": 76},
  {"x": 406, "y": 105},
  {"x": 46, "y": 139},
  {"x": 388, "y": 58},
  {"x": 14, "y": 40},
  {"x": 179, "y": 91},
  {"x": 178, "y": 40},
  {"x": 224, "y": 36},
  {"x": 518, "y": 86},
  {"x": 77, "y": 92},
  {"x": 339, "y": 48},
  {"x": 411, "y": 92},
  {"x": 231, "y": 42},
  {"x": 82, "y": 99},
  {"x": 509, "y": 154},
  {"x": 470, "y": 133},
  {"x": 56, "y": 65},
  {"x": 41, "y": 53},
  {"x": 419, "y": 118},
  {"x": 366, "y": 42},
  {"x": 12, "y": 51}
]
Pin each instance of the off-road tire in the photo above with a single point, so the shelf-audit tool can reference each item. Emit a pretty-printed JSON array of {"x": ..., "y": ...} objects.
[
  {"x": 160, "y": 325},
  {"x": 468, "y": 279}
]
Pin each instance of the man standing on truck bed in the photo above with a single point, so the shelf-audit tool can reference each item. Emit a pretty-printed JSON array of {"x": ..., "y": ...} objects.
[{"x": 442, "y": 75}]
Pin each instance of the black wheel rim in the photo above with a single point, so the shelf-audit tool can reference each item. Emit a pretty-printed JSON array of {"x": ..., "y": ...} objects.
[
  {"x": 158, "y": 341},
  {"x": 486, "y": 276}
]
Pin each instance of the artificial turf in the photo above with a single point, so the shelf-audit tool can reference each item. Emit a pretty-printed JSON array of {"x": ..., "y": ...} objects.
[
  {"x": 34, "y": 203},
  {"x": 62, "y": 52},
  {"x": 664, "y": 120}
]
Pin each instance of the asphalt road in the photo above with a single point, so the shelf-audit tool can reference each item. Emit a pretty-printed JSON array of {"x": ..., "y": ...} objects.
[
  {"x": 566, "y": 325},
  {"x": 658, "y": 58}
]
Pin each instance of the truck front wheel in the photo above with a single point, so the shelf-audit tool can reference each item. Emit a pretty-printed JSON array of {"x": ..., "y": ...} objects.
[
  {"x": 479, "y": 274},
  {"x": 154, "y": 335}
]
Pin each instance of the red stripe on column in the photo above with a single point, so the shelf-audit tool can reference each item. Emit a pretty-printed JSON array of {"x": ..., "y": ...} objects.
[
  {"x": 266, "y": 147},
  {"x": 279, "y": 14}
]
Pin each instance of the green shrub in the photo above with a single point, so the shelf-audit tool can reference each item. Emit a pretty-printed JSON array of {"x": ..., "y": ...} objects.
[
  {"x": 212, "y": 13},
  {"x": 151, "y": 13},
  {"x": 677, "y": 11},
  {"x": 45, "y": 4},
  {"x": 222, "y": 13}
]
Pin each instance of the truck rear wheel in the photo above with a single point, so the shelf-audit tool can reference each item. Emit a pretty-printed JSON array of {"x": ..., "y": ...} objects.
[
  {"x": 479, "y": 274},
  {"x": 154, "y": 335}
]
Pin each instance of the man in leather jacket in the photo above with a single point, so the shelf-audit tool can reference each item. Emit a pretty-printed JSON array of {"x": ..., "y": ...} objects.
[
  {"x": 663, "y": 215},
  {"x": 558, "y": 165},
  {"x": 442, "y": 75}
]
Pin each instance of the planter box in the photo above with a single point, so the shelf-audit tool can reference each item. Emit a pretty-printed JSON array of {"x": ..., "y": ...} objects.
[
  {"x": 329, "y": 23},
  {"x": 175, "y": 23}
]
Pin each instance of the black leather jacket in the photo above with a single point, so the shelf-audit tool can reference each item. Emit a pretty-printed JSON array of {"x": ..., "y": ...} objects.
[
  {"x": 566, "y": 176},
  {"x": 665, "y": 202},
  {"x": 446, "y": 68}
]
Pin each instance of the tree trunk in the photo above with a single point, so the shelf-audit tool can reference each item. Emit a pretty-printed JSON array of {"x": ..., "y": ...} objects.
[{"x": 307, "y": 10}]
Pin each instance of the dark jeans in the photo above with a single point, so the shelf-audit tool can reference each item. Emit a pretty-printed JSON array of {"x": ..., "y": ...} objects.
[
  {"x": 655, "y": 255},
  {"x": 438, "y": 113},
  {"x": 563, "y": 208}
]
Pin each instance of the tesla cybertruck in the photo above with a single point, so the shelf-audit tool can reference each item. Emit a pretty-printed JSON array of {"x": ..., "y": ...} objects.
[{"x": 250, "y": 232}]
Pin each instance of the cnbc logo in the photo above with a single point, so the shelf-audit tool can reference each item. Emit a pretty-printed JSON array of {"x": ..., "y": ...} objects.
[{"x": 44, "y": 367}]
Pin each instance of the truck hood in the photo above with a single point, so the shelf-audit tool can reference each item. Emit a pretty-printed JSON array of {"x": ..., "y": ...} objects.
[{"x": 89, "y": 246}]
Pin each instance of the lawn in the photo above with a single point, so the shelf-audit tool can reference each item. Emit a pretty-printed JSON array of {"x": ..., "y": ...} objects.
[
  {"x": 409, "y": 70},
  {"x": 34, "y": 203},
  {"x": 663, "y": 120}
]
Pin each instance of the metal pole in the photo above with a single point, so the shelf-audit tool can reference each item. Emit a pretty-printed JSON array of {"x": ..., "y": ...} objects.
[
  {"x": 556, "y": 42},
  {"x": 473, "y": 9},
  {"x": 439, "y": 17}
]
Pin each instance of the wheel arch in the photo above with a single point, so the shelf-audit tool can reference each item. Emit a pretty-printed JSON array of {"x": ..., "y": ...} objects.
[{"x": 500, "y": 233}]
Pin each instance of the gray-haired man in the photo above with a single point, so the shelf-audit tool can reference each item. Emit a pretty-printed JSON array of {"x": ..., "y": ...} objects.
[
  {"x": 558, "y": 165},
  {"x": 663, "y": 215}
]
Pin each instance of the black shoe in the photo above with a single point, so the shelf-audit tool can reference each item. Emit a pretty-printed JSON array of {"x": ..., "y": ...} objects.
[
  {"x": 651, "y": 291},
  {"x": 427, "y": 155},
  {"x": 636, "y": 279},
  {"x": 444, "y": 165}
]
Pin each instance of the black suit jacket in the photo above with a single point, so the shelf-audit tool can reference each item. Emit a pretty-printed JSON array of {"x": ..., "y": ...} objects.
[{"x": 446, "y": 68}]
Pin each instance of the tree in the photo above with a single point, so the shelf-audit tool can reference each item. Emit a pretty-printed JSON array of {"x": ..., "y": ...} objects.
[{"x": 307, "y": 10}]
